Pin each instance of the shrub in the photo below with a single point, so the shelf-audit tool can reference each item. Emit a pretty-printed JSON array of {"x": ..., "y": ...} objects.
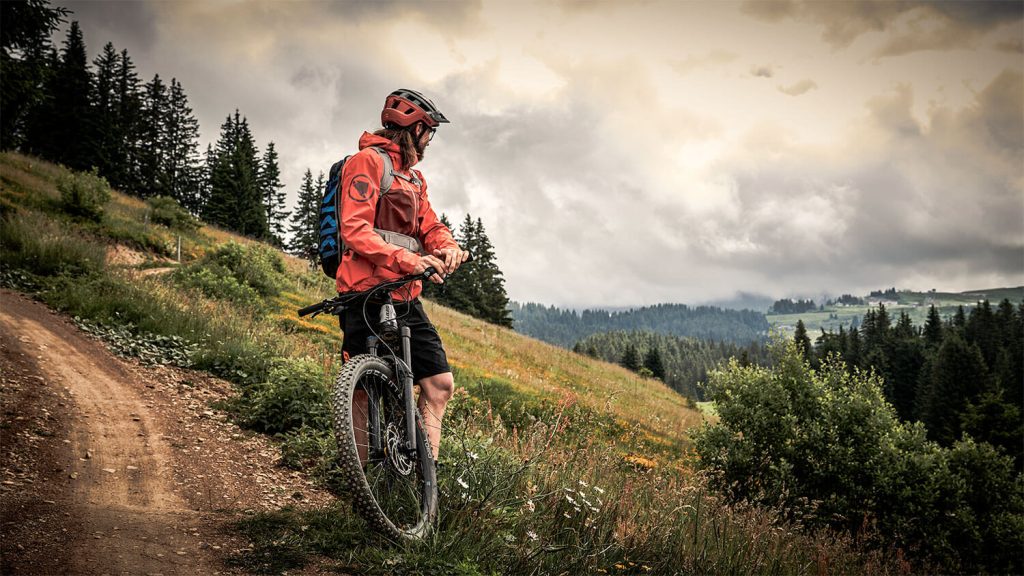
[
  {"x": 825, "y": 447},
  {"x": 294, "y": 395},
  {"x": 84, "y": 194},
  {"x": 168, "y": 212},
  {"x": 246, "y": 275}
]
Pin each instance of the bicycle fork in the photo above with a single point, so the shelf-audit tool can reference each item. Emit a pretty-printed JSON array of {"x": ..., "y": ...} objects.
[{"x": 410, "y": 402}]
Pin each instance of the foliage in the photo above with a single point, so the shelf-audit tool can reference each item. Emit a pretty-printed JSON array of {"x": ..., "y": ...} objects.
[
  {"x": 244, "y": 274},
  {"x": 151, "y": 349},
  {"x": 826, "y": 447},
  {"x": 168, "y": 212},
  {"x": 478, "y": 288},
  {"x": 84, "y": 194},
  {"x": 566, "y": 327},
  {"x": 235, "y": 202},
  {"x": 685, "y": 361},
  {"x": 293, "y": 396},
  {"x": 305, "y": 227},
  {"x": 964, "y": 375},
  {"x": 788, "y": 306}
]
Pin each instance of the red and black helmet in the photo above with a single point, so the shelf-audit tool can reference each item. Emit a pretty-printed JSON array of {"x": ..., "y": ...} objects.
[{"x": 406, "y": 107}]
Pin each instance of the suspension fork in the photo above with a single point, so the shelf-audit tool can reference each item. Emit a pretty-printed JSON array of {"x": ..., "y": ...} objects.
[{"x": 410, "y": 403}]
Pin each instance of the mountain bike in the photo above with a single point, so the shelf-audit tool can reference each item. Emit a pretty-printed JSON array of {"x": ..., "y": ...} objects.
[{"x": 387, "y": 463}]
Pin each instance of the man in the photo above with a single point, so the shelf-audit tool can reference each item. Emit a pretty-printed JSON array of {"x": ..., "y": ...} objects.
[{"x": 409, "y": 121}]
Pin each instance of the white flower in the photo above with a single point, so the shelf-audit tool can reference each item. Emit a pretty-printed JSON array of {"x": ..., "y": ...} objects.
[
  {"x": 530, "y": 506},
  {"x": 462, "y": 483},
  {"x": 531, "y": 535},
  {"x": 599, "y": 489},
  {"x": 472, "y": 455},
  {"x": 569, "y": 498},
  {"x": 582, "y": 483}
]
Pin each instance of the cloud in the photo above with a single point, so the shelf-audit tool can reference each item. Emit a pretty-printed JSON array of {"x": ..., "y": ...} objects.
[
  {"x": 801, "y": 87},
  {"x": 708, "y": 60},
  {"x": 762, "y": 71},
  {"x": 913, "y": 25}
]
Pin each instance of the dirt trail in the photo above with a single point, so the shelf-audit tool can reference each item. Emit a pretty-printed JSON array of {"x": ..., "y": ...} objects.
[{"x": 114, "y": 468}]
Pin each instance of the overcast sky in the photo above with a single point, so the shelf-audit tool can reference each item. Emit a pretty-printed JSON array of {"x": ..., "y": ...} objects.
[{"x": 630, "y": 153}]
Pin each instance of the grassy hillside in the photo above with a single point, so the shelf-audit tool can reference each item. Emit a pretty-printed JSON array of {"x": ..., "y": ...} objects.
[{"x": 554, "y": 462}]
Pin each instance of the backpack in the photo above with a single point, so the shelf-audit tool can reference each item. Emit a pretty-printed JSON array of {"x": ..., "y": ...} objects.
[{"x": 331, "y": 246}]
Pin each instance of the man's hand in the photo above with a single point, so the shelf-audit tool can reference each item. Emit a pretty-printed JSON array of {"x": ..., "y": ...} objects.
[
  {"x": 434, "y": 262},
  {"x": 453, "y": 258}
]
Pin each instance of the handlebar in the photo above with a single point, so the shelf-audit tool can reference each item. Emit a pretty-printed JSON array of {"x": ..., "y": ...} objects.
[{"x": 331, "y": 305}]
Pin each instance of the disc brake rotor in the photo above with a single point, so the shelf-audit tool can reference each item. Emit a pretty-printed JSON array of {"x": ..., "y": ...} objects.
[{"x": 396, "y": 452}]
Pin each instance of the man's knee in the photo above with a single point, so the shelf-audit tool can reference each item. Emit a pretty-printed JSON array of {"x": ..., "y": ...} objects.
[{"x": 438, "y": 389}]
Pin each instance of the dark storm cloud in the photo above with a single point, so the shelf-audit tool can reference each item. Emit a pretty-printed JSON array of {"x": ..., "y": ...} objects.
[
  {"x": 843, "y": 22},
  {"x": 132, "y": 24}
]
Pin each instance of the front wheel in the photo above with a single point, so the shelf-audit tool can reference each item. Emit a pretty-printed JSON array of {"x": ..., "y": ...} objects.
[{"x": 394, "y": 488}]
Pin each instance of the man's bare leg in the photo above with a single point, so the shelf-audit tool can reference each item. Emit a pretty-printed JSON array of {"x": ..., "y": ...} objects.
[{"x": 435, "y": 391}]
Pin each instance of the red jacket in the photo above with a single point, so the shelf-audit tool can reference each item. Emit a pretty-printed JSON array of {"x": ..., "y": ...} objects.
[{"x": 370, "y": 260}]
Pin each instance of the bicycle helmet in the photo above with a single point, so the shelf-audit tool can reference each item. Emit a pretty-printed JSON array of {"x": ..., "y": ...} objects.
[{"x": 406, "y": 107}]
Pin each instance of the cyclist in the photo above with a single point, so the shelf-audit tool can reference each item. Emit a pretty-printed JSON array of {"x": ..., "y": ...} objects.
[{"x": 409, "y": 121}]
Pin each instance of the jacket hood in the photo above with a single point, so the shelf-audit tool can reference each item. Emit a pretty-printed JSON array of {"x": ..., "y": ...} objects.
[{"x": 367, "y": 140}]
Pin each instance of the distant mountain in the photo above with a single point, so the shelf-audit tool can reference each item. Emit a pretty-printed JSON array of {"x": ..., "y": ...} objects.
[{"x": 566, "y": 327}]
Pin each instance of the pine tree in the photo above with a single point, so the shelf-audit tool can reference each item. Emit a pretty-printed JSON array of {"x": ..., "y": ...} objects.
[
  {"x": 234, "y": 200},
  {"x": 304, "y": 230},
  {"x": 803, "y": 342},
  {"x": 125, "y": 172},
  {"x": 153, "y": 139},
  {"x": 274, "y": 197},
  {"x": 24, "y": 64},
  {"x": 493, "y": 300},
  {"x": 105, "y": 108},
  {"x": 180, "y": 163},
  {"x": 652, "y": 361},
  {"x": 933, "y": 328},
  {"x": 63, "y": 130},
  {"x": 630, "y": 359},
  {"x": 957, "y": 377}
]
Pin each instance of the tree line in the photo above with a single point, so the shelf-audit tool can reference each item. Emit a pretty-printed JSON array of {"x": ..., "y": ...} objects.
[
  {"x": 681, "y": 363},
  {"x": 788, "y": 306},
  {"x": 143, "y": 138},
  {"x": 962, "y": 376},
  {"x": 566, "y": 327}
]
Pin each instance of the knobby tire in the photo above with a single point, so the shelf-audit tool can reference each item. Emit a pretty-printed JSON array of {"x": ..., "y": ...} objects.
[{"x": 396, "y": 494}]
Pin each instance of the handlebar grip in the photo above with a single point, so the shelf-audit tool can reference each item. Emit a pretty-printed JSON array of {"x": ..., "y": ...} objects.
[{"x": 310, "y": 309}]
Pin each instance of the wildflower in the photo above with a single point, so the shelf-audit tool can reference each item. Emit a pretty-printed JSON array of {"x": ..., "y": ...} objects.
[
  {"x": 531, "y": 535},
  {"x": 472, "y": 455},
  {"x": 582, "y": 483},
  {"x": 530, "y": 505},
  {"x": 599, "y": 489},
  {"x": 569, "y": 498},
  {"x": 462, "y": 483}
]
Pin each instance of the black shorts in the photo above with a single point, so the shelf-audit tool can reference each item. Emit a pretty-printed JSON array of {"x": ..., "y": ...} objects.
[{"x": 428, "y": 357}]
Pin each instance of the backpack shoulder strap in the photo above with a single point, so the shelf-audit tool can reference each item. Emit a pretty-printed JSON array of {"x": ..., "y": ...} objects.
[{"x": 387, "y": 177}]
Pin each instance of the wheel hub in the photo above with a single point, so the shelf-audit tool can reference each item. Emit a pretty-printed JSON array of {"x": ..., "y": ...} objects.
[{"x": 396, "y": 451}]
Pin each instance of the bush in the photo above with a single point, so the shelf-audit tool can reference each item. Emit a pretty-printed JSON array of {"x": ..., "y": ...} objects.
[
  {"x": 167, "y": 211},
  {"x": 826, "y": 448},
  {"x": 246, "y": 275},
  {"x": 294, "y": 395},
  {"x": 84, "y": 194}
]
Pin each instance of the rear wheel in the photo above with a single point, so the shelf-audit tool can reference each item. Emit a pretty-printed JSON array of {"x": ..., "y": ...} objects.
[{"x": 394, "y": 488}]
